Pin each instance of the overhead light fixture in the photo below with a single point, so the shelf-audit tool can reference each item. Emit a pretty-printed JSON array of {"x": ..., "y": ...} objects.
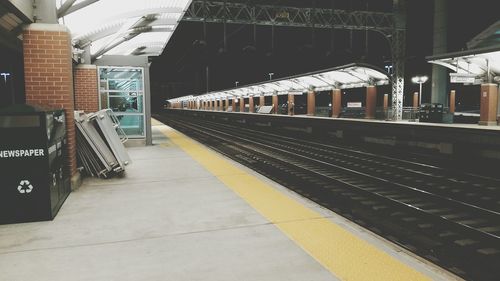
[
  {"x": 5, "y": 75},
  {"x": 420, "y": 80}
]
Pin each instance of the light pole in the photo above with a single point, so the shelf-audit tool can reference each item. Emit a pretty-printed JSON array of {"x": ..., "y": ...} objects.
[
  {"x": 236, "y": 83},
  {"x": 271, "y": 75},
  {"x": 419, "y": 80}
]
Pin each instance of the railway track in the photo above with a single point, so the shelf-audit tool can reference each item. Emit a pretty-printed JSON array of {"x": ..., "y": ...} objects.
[{"x": 449, "y": 218}]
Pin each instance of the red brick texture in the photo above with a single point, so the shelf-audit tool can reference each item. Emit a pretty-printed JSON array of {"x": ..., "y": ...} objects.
[
  {"x": 86, "y": 96},
  {"x": 49, "y": 78}
]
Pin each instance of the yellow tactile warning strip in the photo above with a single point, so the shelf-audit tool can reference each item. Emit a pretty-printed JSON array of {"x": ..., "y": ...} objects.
[{"x": 345, "y": 255}]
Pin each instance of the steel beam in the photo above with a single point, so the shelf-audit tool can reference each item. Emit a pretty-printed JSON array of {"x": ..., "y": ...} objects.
[
  {"x": 241, "y": 13},
  {"x": 398, "y": 54},
  {"x": 64, "y": 7},
  {"x": 76, "y": 7}
]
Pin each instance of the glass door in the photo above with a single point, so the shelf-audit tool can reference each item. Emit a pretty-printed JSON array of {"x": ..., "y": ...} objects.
[{"x": 122, "y": 90}]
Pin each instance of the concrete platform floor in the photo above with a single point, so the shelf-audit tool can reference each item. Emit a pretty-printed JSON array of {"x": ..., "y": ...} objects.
[{"x": 168, "y": 218}]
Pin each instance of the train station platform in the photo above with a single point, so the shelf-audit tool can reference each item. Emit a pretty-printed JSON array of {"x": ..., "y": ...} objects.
[{"x": 184, "y": 212}]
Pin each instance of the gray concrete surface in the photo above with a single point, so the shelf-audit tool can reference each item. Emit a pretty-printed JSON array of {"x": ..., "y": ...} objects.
[{"x": 167, "y": 219}]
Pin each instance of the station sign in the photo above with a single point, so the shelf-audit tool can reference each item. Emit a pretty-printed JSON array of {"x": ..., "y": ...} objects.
[
  {"x": 354, "y": 104},
  {"x": 462, "y": 78}
]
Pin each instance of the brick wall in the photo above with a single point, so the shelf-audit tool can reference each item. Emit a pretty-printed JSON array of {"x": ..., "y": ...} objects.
[
  {"x": 49, "y": 76},
  {"x": 86, "y": 95}
]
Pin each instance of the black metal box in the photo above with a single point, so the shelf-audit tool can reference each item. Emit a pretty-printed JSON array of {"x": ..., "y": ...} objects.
[
  {"x": 34, "y": 180},
  {"x": 431, "y": 112}
]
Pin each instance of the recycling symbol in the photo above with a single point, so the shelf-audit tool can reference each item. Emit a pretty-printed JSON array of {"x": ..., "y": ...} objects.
[{"x": 25, "y": 187}]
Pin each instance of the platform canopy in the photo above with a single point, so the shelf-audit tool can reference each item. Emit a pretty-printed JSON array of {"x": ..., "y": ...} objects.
[
  {"x": 487, "y": 38},
  {"x": 121, "y": 27},
  {"x": 472, "y": 66},
  {"x": 342, "y": 77}
]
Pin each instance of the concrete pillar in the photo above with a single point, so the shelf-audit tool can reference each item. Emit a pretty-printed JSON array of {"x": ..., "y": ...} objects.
[
  {"x": 242, "y": 104},
  {"x": 45, "y": 11},
  {"x": 262, "y": 101},
  {"x": 85, "y": 87},
  {"x": 415, "y": 100},
  {"x": 452, "y": 101},
  {"x": 371, "y": 102},
  {"x": 275, "y": 104},
  {"x": 336, "y": 103},
  {"x": 439, "y": 76},
  {"x": 48, "y": 76},
  {"x": 227, "y": 104},
  {"x": 251, "y": 107},
  {"x": 291, "y": 104},
  {"x": 489, "y": 104},
  {"x": 311, "y": 103}
]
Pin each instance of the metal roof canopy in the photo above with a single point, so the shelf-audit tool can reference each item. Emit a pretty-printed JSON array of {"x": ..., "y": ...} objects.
[
  {"x": 489, "y": 37},
  {"x": 342, "y": 77},
  {"x": 481, "y": 64},
  {"x": 121, "y": 27}
]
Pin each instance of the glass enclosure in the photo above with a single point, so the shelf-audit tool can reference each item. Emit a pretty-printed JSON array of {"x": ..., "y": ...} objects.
[{"x": 122, "y": 90}]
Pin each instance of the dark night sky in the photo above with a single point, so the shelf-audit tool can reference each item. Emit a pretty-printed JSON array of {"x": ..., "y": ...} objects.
[{"x": 181, "y": 69}]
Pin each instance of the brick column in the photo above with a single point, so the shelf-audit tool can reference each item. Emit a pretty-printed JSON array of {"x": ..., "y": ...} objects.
[
  {"x": 291, "y": 104},
  {"x": 336, "y": 103},
  {"x": 262, "y": 101},
  {"x": 48, "y": 77},
  {"x": 227, "y": 104},
  {"x": 452, "y": 101},
  {"x": 311, "y": 103},
  {"x": 489, "y": 106},
  {"x": 86, "y": 88},
  {"x": 275, "y": 104},
  {"x": 371, "y": 102},
  {"x": 251, "y": 107},
  {"x": 242, "y": 104},
  {"x": 386, "y": 102},
  {"x": 415, "y": 100}
]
